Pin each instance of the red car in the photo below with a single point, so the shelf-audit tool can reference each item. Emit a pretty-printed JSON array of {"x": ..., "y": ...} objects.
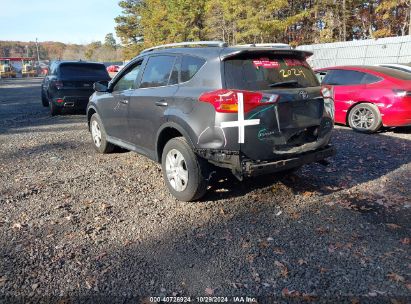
[
  {"x": 113, "y": 68},
  {"x": 368, "y": 97}
]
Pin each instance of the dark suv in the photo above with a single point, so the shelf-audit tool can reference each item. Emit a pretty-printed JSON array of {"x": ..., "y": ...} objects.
[
  {"x": 70, "y": 84},
  {"x": 251, "y": 109}
]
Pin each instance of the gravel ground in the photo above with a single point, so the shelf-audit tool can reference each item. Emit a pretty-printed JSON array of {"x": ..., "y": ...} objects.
[{"x": 78, "y": 225}]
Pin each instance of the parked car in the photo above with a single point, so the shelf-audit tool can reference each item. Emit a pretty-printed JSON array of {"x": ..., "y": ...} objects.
[
  {"x": 254, "y": 110},
  {"x": 113, "y": 68},
  {"x": 369, "y": 97},
  {"x": 70, "y": 84},
  {"x": 405, "y": 67}
]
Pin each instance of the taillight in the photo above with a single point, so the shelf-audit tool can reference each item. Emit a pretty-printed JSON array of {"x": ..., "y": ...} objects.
[
  {"x": 328, "y": 95},
  {"x": 226, "y": 101},
  {"x": 401, "y": 93},
  {"x": 327, "y": 92},
  {"x": 60, "y": 100},
  {"x": 58, "y": 84}
]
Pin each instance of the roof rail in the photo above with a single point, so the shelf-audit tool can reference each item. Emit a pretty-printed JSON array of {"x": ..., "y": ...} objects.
[
  {"x": 272, "y": 45},
  {"x": 205, "y": 43}
]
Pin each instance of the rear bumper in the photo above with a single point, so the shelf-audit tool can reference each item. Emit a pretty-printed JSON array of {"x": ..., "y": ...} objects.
[
  {"x": 397, "y": 119},
  {"x": 72, "y": 102},
  {"x": 251, "y": 168},
  {"x": 398, "y": 115}
]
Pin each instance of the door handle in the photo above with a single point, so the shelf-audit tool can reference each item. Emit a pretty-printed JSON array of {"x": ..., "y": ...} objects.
[
  {"x": 124, "y": 101},
  {"x": 161, "y": 103}
]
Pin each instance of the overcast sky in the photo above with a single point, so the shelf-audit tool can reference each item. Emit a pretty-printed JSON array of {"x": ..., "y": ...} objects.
[{"x": 69, "y": 21}]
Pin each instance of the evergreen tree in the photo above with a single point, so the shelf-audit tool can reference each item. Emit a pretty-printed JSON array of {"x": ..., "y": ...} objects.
[
  {"x": 145, "y": 23},
  {"x": 110, "y": 41}
]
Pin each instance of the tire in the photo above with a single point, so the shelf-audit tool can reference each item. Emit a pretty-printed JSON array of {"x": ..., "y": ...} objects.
[
  {"x": 183, "y": 171},
  {"x": 365, "y": 118},
  {"x": 44, "y": 100},
  {"x": 54, "y": 110},
  {"x": 99, "y": 136}
]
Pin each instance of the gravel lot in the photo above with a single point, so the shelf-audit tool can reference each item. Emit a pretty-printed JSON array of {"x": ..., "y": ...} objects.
[{"x": 81, "y": 225}]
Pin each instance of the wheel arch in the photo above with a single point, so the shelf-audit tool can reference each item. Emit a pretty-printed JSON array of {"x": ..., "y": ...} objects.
[
  {"x": 90, "y": 111},
  {"x": 168, "y": 131}
]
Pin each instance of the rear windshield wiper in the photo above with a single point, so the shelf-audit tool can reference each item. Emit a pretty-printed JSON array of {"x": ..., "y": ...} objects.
[{"x": 285, "y": 83}]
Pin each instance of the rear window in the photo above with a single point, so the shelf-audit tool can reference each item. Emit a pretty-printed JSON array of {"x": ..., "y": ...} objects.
[
  {"x": 83, "y": 70},
  {"x": 396, "y": 73},
  {"x": 266, "y": 72},
  {"x": 397, "y": 68}
]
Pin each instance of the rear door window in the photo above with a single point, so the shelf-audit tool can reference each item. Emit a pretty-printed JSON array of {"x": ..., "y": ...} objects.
[
  {"x": 157, "y": 71},
  {"x": 72, "y": 70},
  {"x": 368, "y": 79},
  {"x": 190, "y": 66},
  {"x": 265, "y": 72}
]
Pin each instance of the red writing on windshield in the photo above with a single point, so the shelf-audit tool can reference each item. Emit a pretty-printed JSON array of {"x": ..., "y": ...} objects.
[{"x": 266, "y": 63}]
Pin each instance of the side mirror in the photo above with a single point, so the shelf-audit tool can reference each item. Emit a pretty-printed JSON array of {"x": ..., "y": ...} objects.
[{"x": 101, "y": 86}]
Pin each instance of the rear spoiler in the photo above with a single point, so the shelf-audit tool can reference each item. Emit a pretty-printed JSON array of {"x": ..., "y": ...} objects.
[{"x": 227, "y": 53}]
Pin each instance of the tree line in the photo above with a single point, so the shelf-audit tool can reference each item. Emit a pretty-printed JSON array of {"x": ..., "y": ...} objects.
[
  {"x": 145, "y": 23},
  {"x": 106, "y": 51}
]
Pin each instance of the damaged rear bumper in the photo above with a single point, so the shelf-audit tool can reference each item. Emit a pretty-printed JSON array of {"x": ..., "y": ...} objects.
[
  {"x": 241, "y": 167},
  {"x": 251, "y": 168}
]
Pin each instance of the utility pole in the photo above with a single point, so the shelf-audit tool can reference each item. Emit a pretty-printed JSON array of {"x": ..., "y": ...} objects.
[
  {"x": 409, "y": 22},
  {"x": 344, "y": 21},
  {"x": 38, "y": 55}
]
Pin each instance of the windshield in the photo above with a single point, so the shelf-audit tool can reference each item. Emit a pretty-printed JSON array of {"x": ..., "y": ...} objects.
[
  {"x": 266, "y": 72},
  {"x": 84, "y": 70}
]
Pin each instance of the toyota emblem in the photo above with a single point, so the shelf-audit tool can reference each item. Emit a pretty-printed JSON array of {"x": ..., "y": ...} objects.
[{"x": 303, "y": 94}]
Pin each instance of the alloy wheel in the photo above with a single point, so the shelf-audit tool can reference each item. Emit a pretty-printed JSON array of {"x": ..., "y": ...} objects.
[
  {"x": 362, "y": 118},
  {"x": 176, "y": 170},
  {"x": 96, "y": 133}
]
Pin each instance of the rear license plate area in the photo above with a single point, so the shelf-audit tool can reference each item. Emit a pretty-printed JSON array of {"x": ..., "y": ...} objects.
[{"x": 300, "y": 112}]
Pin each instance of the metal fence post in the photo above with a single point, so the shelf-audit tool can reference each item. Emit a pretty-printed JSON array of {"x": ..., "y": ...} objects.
[{"x": 399, "y": 53}]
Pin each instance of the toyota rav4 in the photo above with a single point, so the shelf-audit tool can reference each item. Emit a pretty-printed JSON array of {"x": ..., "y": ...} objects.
[{"x": 252, "y": 109}]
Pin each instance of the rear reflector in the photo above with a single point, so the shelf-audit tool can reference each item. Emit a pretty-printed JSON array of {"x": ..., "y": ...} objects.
[
  {"x": 226, "y": 101},
  {"x": 60, "y": 100}
]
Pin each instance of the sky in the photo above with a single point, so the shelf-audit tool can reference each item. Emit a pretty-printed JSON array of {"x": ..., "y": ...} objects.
[{"x": 68, "y": 21}]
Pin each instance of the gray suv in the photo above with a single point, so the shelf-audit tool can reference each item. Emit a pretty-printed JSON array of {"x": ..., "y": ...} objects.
[{"x": 252, "y": 109}]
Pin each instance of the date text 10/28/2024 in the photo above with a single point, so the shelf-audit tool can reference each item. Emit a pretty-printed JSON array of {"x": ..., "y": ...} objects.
[{"x": 202, "y": 300}]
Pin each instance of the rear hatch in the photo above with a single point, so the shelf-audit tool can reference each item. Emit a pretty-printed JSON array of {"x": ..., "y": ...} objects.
[
  {"x": 80, "y": 77},
  {"x": 294, "y": 109}
]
